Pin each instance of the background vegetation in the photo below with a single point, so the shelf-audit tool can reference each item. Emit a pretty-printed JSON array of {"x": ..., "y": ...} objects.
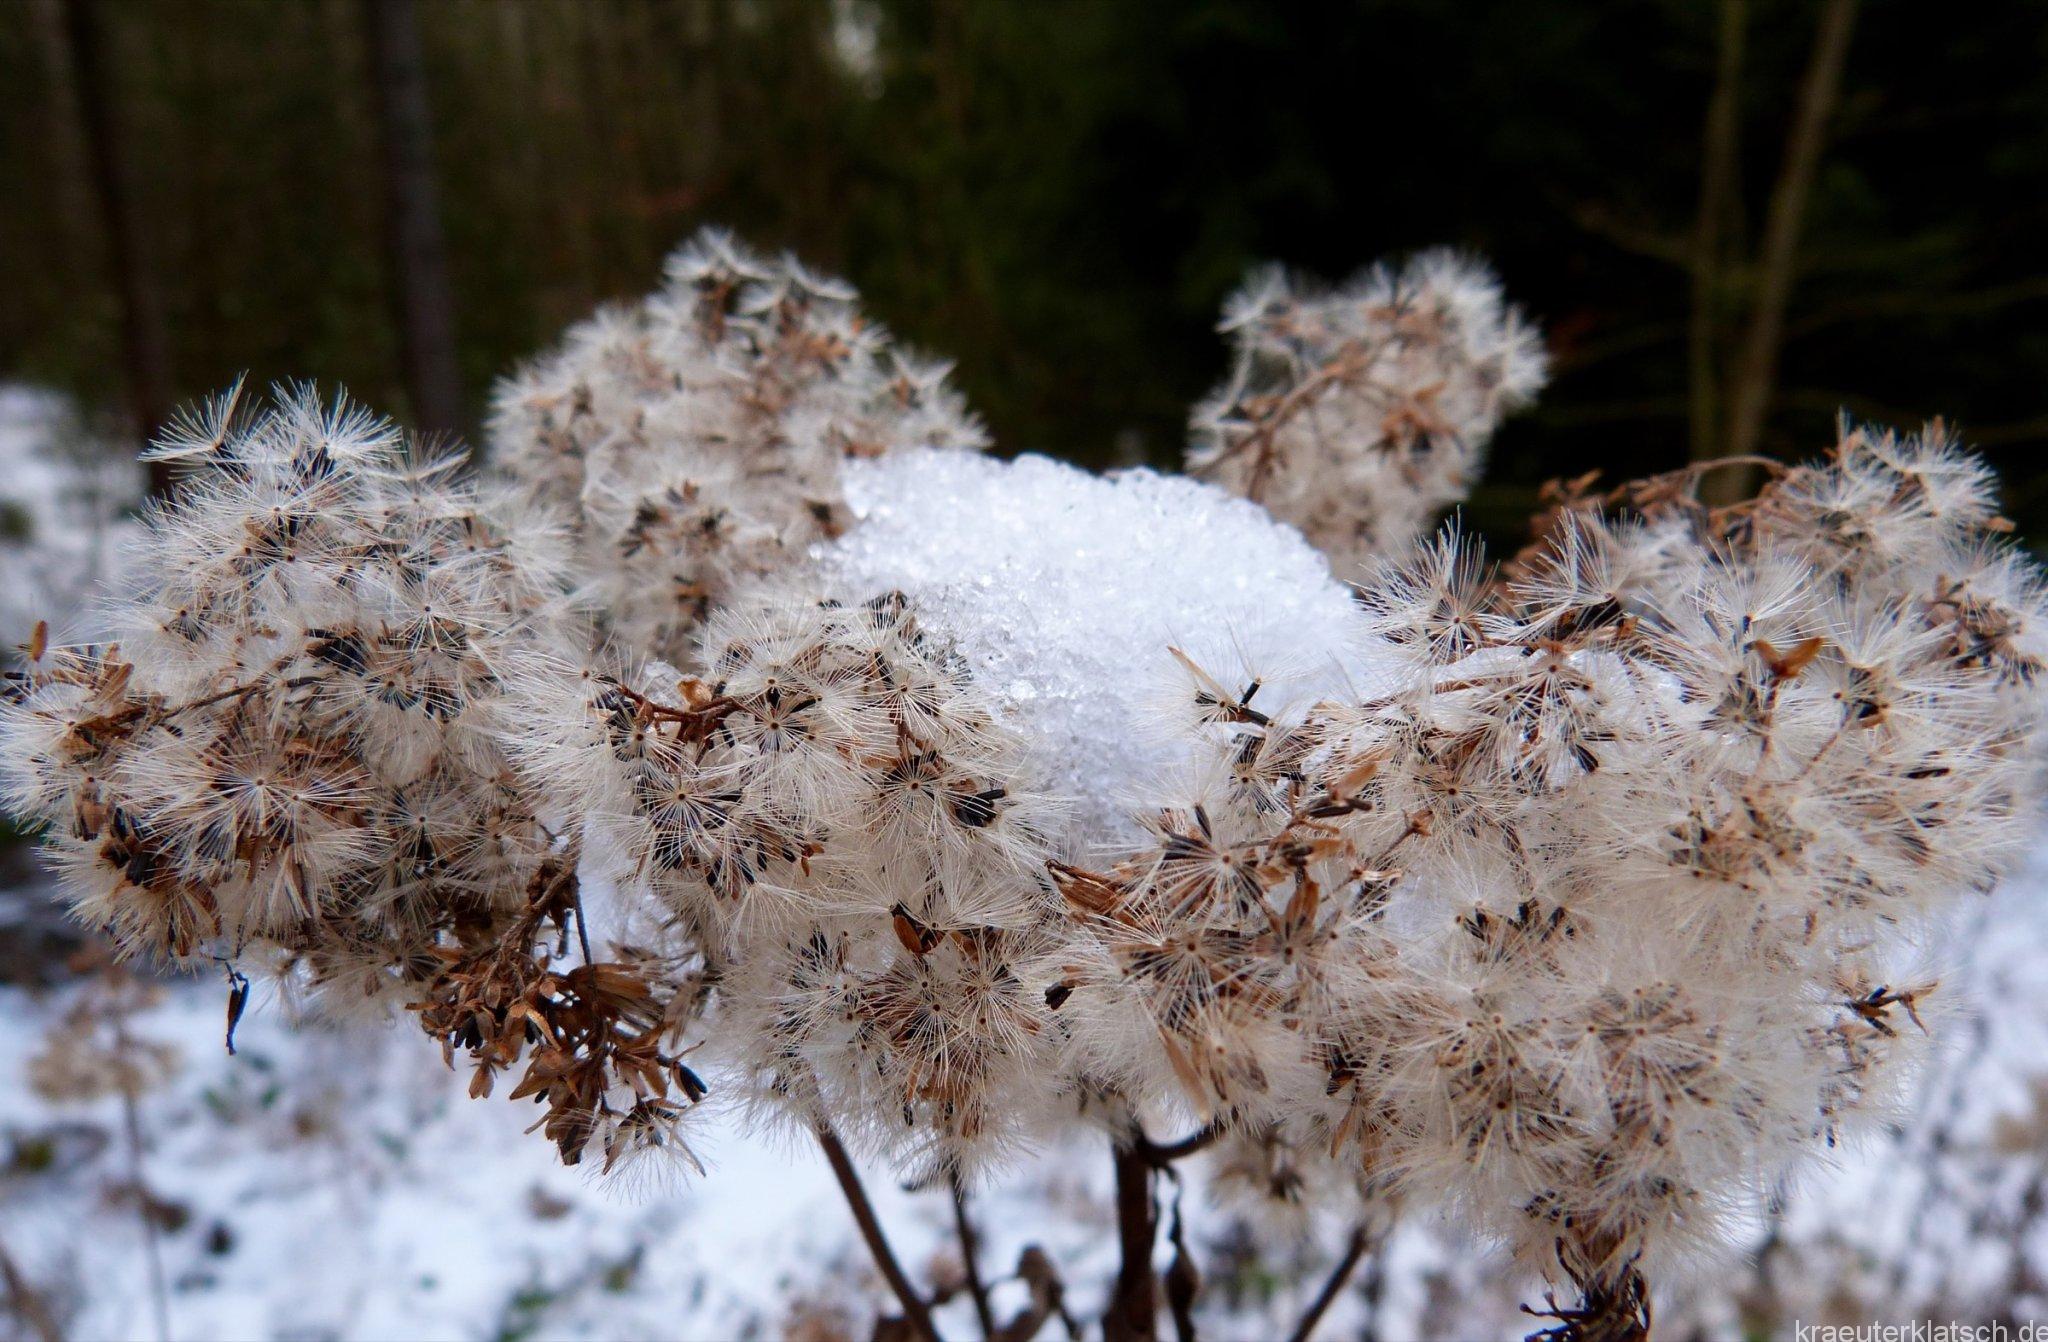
[{"x": 1058, "y": 195}]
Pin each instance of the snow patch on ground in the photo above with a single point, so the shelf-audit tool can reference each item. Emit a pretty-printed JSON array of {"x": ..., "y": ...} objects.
[
  {"x": 66, "y": 503},
  {"x": 336, "y": 1183}
]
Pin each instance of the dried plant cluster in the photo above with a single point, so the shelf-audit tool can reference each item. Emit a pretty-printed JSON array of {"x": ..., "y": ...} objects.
[
  {"x": 831, "y": 829},
  {"x": 1591, "y": 920},
  {"x": 1586, "y": 913},
  {"x": 1357, "y": 413},
  {"x": 282, "y": 745},
  {"x": 695, "y": 438}
]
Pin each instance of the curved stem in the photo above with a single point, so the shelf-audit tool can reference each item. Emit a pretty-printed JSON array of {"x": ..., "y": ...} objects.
[
  {"x": 1162, "y": 1154},
  {"x": 1353, "y": 1252},
  {"x": 914, "y": 1308}
]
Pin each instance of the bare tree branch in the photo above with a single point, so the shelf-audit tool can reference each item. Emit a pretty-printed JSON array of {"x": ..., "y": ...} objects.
[
  {"x": 1630, "y": 236},
  {"x": 422, "y": 300},
  {"x": 145, "y": 352}
]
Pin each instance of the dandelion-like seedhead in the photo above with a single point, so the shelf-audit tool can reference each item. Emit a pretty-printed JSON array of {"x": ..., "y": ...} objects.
[
  {"x": 1357, "y": 413},
  {"x": 834, "y": 824},
  {"x": 953, "y": 803},
  {"x": 1600, "y": 918},
  {"x": 282, "y": 740},
  {"x": 696, "y": 437}
]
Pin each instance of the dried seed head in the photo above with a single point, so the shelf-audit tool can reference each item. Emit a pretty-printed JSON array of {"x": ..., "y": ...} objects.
[
  {"x": 696, "y": 437},
  {"x": 1358, "y": 413},
  {"x": 286, "y": 738}
]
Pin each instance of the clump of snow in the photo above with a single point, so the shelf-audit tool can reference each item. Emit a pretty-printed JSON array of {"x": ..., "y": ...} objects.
[{"x": 1064, "y": 591}]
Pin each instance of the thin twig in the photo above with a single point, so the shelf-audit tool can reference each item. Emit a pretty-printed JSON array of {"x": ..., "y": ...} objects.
[
  {"x": 1755, "y": 459},
  {"x": 970, "y": 1256},
  {"x": 1353, "y": 1252},
  {"x": 1372, "y": 1289},
  {"x": 26, "y": 1303},
  {"x": 582, "y": 925},
  {"x": 914, "y": 1308},
  {"x": 1183, "y": 1278},
  {"x": 131, "y": 1121}
]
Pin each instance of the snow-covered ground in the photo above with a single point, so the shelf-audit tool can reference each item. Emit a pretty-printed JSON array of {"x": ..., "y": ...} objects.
[
  {"x": 65, "y": 503},
  {"x": 334, "y": 1181}
]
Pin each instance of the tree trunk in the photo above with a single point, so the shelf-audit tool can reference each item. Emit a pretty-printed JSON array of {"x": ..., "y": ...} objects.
[
  {"x": 422, "y": 302},
  {"x": 1754, "y": 379},
  {"x": 144, "y": 352},
  {"x": 1720, "y": 165}
]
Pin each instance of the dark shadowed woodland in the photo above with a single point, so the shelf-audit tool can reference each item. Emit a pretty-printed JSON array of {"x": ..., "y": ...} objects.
[{"x": 1733, "y": 219}]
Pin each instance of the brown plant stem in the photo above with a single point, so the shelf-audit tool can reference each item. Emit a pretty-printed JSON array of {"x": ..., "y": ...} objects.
[
  {"x": 1162, "y": 1154},
  {"x": 970, "y": 1256},
  {"x": 914, "y": 1308},
  {"x": 1354, "y": 1251},
  {"x": 1183, "y": 1277},
  {"x": 26, "y": 1303},
  {"x": 582, "y": 923},
  {"x": 1133, "y": 1313}
]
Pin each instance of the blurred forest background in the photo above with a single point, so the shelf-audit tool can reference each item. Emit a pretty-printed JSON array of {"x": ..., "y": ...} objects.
[{"x": 1732, "y": 217}]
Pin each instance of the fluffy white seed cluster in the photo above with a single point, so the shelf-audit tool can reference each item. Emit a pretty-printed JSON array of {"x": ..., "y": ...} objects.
[
  {"x": 1358, "y": 413},
  {"x": 697, "y": 436},
  {"x": 282, "y": 737},
  {"x": 834, "y": 824},
  {"x": 1603, "y": 915},
  {"x": 996, "y": 797}
]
